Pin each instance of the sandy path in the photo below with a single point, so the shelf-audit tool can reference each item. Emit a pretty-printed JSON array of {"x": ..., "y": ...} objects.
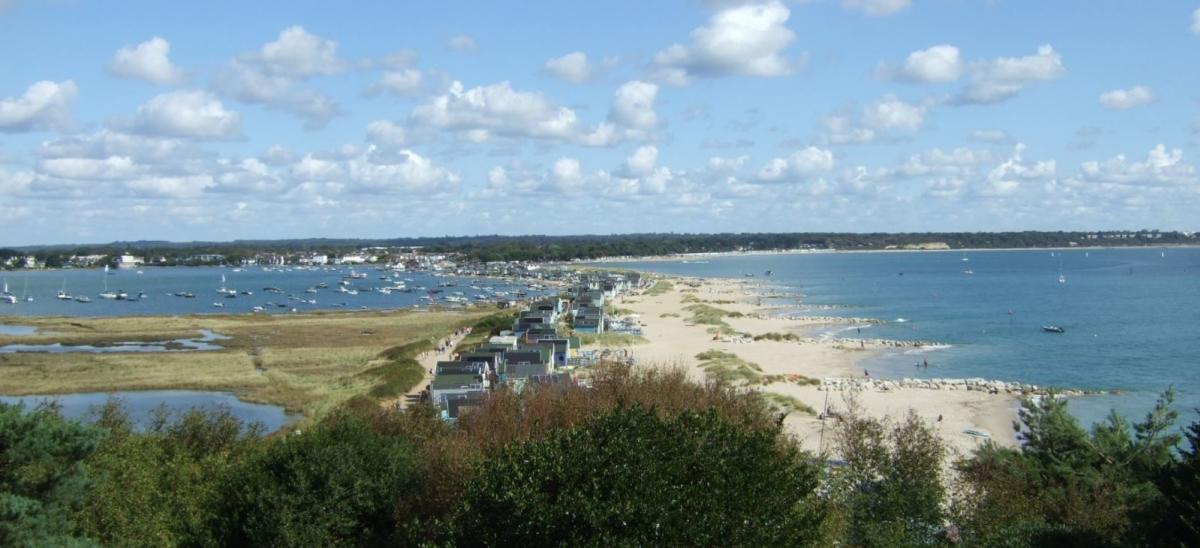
[{"x": 674, "y": 340}]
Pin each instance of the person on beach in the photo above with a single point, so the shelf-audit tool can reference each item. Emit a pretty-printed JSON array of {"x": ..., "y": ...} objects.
[
  {"x": 925, "y": 363},
  {"x": 866, "y": 373}
]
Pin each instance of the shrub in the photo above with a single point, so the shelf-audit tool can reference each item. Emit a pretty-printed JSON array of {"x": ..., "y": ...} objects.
[{"x": 631, "y": 477}]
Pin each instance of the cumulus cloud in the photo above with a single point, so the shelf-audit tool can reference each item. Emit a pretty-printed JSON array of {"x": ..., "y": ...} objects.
[
  {"x": 270, "y": 75},
  {"x": 404, "y": 82},
  {"x": 147, "y": 61},
  {"x": 1009, "y": 177},
  {"x": 187, "y": 114},
  {"x": 642, "y": 161},
  {"x": 44, "y": 105},
  {"x": 940, "y": 63},
  {"x": 461, "y": 42},
  {"x": 876, "y": 8},
  {"x": 633, "y": 105},
  {"x": 576, "y": 68},
  {"x": 746, "y": 39},
  {"x": 798, "y": 166},
  {"x": 887, "y": 116},
  {"x": 1162, "y": 167},
  {"x": 1196, "y": 22},
  {"x": 1000, "y": 79},
  {"x": 1122, "y": 99}
]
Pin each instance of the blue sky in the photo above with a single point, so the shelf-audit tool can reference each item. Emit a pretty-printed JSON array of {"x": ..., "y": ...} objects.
[{"x": 222, "y": 120}]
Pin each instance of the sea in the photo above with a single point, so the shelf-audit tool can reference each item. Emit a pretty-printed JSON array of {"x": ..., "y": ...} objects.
[
  {"x": 153, "y": 290},
  {"x": 1130, "y": 316}
]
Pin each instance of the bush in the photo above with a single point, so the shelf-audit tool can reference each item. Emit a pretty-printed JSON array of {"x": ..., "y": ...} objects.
[
  {"x": 336, "y": 485},
  {"x": 630, "y": 477},
  {"x": 43, "y": 481}
]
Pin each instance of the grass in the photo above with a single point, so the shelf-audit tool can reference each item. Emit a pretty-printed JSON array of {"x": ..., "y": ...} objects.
[
  {"x": 483, "y": 329},
  {"x": 729, "y": 368},
  {"x": 705, "y": 314},
  {"x": 660, "y": 287},
  {"x": 668, "y": 315},
  {"x": 610, "y": 339},
  {"x": 787, "y": 404},
  {"x": 778, "y": 337},
  {"x": 307, "y": 363}
]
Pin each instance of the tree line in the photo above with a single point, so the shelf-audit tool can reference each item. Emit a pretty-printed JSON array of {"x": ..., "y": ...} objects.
[{"x": 584, "y": 247}]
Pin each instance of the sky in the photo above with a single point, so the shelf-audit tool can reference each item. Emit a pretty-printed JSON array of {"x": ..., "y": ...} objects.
[{"x": 293, "y": 119}]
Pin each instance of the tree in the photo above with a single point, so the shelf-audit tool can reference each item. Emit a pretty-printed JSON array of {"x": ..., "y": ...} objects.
[
  {"x": 335, "y": 485},
  {"x": 628, "y": 477},
  {"x": 42, "y": 478},
  {"x": 891, "y": 487}
]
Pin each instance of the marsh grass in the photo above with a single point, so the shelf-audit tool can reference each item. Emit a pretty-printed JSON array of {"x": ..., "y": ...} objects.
[{"x": 307, "y": 363}]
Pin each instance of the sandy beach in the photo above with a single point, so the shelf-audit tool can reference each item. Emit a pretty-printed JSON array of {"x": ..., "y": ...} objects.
[{"x": 675, "y": 339}]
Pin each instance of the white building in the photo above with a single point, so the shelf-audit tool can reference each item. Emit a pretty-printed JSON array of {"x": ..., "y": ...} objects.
[{"x": 129, "y": 261}]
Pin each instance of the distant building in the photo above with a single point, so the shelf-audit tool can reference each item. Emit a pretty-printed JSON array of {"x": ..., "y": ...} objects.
[{"x": 129, "y": 261}]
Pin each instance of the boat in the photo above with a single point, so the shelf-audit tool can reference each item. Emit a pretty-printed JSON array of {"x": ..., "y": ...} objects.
[
  {"x": 968, "y": 271},
  {"x": 10, "y": 299},
  {"x": 1053, "y": 329},
  {"x": 62, "y": 293},
  {"x": 106, "y": 294},
  {"x": 25, "y": 296},
  {"x": 224, "y": 290},
  {"x": 83, "y": 299},
  {"x": 244, "y": 292},
  {"x": 1062, "y": 279},
  {"x": 257, "y": 309},
  {"x": 218, "y": 305}
]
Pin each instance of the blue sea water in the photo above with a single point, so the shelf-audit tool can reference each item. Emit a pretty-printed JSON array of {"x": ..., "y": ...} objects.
[
  {"x": 159, "y": 283},
  {"x": 1131, "y": 316}
]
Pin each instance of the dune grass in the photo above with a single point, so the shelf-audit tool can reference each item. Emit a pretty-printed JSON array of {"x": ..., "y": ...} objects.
[
  {"x": 787, "y": 404},
  {"x": 729, "y": 368},
  {"x": 307, "y": 363},
  {"x": 705, "y": 314},
  {"x": 610, "y": 339},
  {"x": 660, "y": 287}
]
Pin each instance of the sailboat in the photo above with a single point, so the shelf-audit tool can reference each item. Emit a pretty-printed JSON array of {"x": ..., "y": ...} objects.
[
  {"x": 6, "y": 296},
  {"x": 25, "y": 296},
  {"x": 62, "y": 293},
  {"x": 224, "y": 290},
  {"x": 1062, "y": 279},
  {"x": 106, "y": 294}
]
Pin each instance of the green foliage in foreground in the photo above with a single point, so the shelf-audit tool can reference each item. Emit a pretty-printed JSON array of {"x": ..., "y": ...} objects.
[
  {"x": 630, "y": 478},
  {"x": 43, "y": 481},
  {"x": 684, "y": 465}
]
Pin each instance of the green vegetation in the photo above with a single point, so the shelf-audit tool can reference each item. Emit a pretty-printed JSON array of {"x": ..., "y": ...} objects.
[
  {"x": 668, "y": 315},
  {"x": 787, "y": 404},
  {"x": 307, "y": 363},
  {"x": 660, "y": 287},
  {"x": 727, "y": 367},
  {"x": 484, "y": 329},
  {"x": 778, "y": 337},
  {"x": 705, "y": 314},
  {"x": 643, "y": 457},
  {"x": 629, "y": 478},
  {"x": 610, "y": 339}
]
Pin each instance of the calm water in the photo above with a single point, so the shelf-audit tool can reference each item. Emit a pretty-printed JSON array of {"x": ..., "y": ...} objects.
[
  {"x": 1131, "y": 316},
  {"x": 159, "y": 283},
  {"x": 141, "y": 405}
]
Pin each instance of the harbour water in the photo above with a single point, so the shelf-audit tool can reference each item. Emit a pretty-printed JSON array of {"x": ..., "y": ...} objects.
[
  {"x": 1130, "y": 317},
  {"x": 142, "y": 405},
  {"x": 274, "y": 290}
]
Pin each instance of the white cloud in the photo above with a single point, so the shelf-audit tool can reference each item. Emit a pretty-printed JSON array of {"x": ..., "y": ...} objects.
[
  {"x": 1196, "y": 22},
  {"x": 887, "y": 116},
  {"x": 959, "y": 162},
  {"x": 187, "y": 114},
  {"x": 498, "y": 109},
  {"x": 461, "y": 42},
  {"x": 939, "y": 63},
  {"x": 113, "y": 167},
  {"x": 1007, "y": 179},
  {"x": 876, "y": 8},
  {"x": 891, "y": 114},
  {"x": 1000, "y": 79},
  {"x": 147, "y": 61},
  {"x": 403, "y": 82},
  {"x": 1122, "y": 99},
  {"x": 1162, "y": 167},
  {"x": 45, "y": 105},
  {"x": 405, "y": 172},
  {"x": 633, "y": 105},
  {"x": 384, "y": 132},
  {"x": 576, "y": 68},
  {"x": 107, "y": 143},
  {"x": 798, "y": 166},
  {"x": 269, "y": 76},
  {"x": 746, "y": 39},
  {"x": 643, "y": 160}
]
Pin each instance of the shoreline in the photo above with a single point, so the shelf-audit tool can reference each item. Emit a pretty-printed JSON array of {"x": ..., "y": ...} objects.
[
  {"x": 791, "y": 366},
  {"x": 768, "y": 252}
]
